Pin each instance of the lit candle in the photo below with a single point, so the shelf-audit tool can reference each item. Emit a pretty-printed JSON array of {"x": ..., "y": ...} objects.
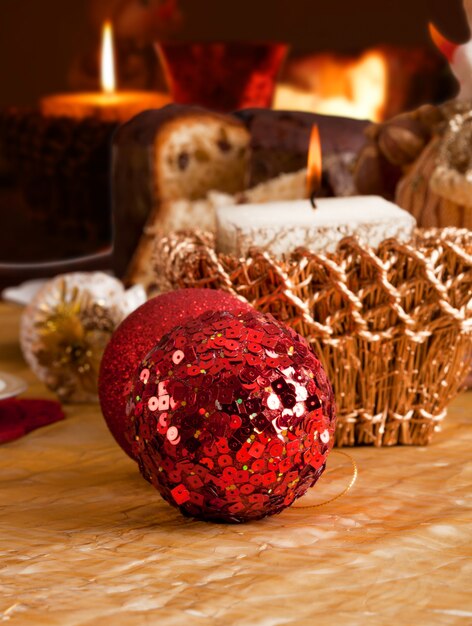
[
  {"x": 108, "y": 105},
  {"x": 281, "y": 227}
]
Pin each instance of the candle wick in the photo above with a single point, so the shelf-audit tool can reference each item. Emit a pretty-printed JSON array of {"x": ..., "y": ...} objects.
[{"x": 313, "y": 200}]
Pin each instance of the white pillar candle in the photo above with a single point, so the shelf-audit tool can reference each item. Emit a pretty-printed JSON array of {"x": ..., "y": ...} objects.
[{"x": 280, "y": 227}]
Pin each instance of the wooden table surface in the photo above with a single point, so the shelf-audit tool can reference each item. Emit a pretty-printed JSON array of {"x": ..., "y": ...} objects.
[{"x": 84, "y": 540}]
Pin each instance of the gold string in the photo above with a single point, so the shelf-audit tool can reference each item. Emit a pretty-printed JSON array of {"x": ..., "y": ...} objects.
[{"x": 355, "y": 473}]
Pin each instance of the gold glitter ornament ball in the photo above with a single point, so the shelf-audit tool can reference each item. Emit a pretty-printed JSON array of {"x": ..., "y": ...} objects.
[
  {"x": 137, "y": 335},
  {"x": 66, "y": 326}
]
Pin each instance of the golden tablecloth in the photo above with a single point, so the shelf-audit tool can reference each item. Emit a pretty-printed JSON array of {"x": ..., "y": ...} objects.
[{"x": 85, "y": 540}]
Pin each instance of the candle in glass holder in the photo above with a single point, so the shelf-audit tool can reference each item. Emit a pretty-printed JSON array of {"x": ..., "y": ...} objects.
[{"x": 109, "y": 105}]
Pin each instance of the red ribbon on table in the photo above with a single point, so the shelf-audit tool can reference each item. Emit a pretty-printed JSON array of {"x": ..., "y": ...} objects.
[{"x": 19, "y": 417}]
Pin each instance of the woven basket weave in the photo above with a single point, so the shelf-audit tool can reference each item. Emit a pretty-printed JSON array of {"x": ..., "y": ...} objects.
[{"x": 393, "y": 326}]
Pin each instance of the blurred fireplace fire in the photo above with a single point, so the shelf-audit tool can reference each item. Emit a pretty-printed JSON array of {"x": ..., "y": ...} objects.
[{"x": 375, "y": 84}]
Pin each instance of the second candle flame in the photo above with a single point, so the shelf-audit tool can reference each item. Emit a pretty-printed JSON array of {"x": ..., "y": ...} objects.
[
  {"x": 108, "y": 60},
  {"x": 314, "y": 166}
]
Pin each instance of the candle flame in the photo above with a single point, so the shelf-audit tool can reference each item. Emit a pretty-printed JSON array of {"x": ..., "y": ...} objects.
[
  {"x": 108, "y": 60},
  {"x": 314, "y": 166},
  {"x": 445, "y": 46}
]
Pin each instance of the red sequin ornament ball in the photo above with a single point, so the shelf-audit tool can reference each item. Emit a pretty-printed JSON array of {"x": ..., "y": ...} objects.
[
  {"x": 137, "y": 335},
  {"x": 232, "y": 417}
]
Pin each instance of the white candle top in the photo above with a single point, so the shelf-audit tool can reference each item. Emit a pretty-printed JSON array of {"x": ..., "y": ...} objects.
[
  {"x": 280, "y": 227},
  {"x": 355, "y": 209}
]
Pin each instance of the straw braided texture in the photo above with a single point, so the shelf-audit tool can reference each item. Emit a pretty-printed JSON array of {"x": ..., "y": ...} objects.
[{"x": 393, "y": 326}]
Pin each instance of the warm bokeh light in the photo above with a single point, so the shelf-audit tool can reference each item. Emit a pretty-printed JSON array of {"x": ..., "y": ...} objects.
[
  {"x": 369, "y": 83},
  {"x": 355, "y": 88},
  {"x": 108, "y": 60},
  {"x": 314, "y": 165},
  {"x": 442, "y": 44}
]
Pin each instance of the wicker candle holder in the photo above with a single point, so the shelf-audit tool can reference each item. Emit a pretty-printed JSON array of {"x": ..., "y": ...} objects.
[{"x": 393, "y": 326}]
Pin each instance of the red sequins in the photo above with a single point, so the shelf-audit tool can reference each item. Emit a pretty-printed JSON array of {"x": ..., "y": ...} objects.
[
  {"x": 144, "y": 376},
  {"x": 153, "y": 403},
  {"x": 233, "y": 427}
]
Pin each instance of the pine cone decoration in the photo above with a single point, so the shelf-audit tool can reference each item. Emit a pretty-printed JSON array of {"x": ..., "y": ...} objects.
[
  {"x": 423, "y": 161},
  {"x": 393, "y": 146}
]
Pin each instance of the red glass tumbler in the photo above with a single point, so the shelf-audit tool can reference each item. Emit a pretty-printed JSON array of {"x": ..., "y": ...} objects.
[{"x": 222, "y": 76}]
